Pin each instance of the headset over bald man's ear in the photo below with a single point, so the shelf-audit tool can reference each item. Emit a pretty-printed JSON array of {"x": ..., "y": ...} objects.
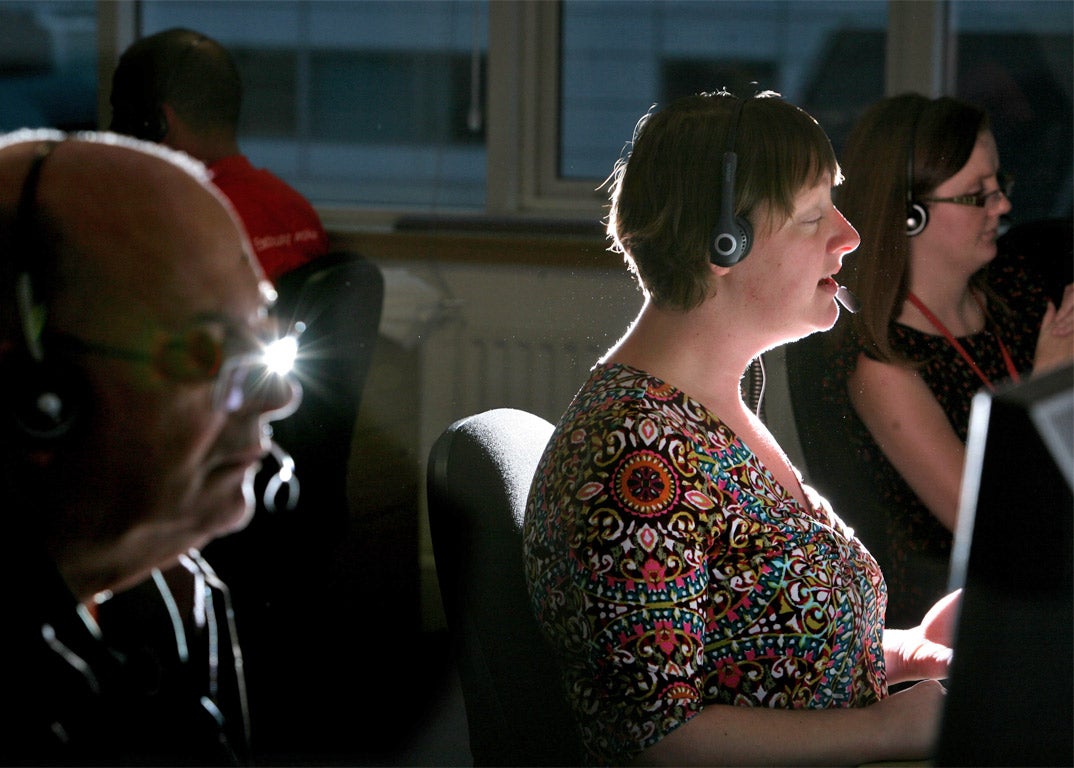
[
  {"x": 42, "y": 397},
  {"x": 145, "y": 78},
  {"x": 135, "y": 98}
]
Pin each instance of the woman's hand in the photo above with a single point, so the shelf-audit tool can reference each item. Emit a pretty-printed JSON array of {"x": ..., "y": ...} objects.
[
  {"x": 1055, "y": 344},
  {"x": 926, "y": 650},
  {"x": 940, "y": 622}
]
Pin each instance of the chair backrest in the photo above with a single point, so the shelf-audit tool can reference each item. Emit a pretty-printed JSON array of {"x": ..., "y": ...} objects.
[
  {"x": 773, "y": 402},
  {"x": 479, "y": 474},
  {"x": 823, "y": 421},
  {"x": 339, "y": 297}
]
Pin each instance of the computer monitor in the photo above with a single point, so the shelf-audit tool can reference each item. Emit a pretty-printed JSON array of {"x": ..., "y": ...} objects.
[{"x": 1010, "y": 694}]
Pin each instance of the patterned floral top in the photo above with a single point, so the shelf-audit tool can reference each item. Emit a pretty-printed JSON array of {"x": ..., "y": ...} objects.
[
  {"x": 915, "y": 548},
  {"x": 671, "y": 570}
]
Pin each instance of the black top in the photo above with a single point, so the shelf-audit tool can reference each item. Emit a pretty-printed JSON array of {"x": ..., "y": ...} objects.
[
  {"x": 912, "y": 546},
  {"x": 132, "y": 690}
]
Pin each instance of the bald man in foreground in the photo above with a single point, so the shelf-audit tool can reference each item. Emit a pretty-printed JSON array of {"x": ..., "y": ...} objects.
[{"x": 134, "y": 327}]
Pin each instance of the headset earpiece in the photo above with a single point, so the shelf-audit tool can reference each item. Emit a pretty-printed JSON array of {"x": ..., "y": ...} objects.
[
  {"x": 43, "y": 397},
  {"x": 135, "y": 109},
  {"x": 152, "y": 126},
  {"x": 142, "y": 81},
  {"x": 917, "y": 216},
  {"x": 917, "y": 213},
  {"x": 731, "y": 241}
]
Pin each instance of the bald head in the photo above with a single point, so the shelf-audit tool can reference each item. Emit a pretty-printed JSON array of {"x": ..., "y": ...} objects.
[
  {"x": 139, "y": 232},
  {"x": 129, "y": 275}
]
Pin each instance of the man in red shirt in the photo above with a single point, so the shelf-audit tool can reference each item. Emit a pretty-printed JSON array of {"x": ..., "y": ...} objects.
[{"x": 183, "y": 89}]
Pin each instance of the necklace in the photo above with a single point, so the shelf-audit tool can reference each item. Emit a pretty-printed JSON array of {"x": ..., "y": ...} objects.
[{"x": 962, "y": 350}]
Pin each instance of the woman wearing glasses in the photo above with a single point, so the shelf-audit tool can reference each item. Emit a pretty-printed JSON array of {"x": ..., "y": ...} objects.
[{"x": 938, "y": 320}]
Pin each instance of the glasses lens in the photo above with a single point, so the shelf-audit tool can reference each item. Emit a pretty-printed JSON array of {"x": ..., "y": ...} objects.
[
  {"x": 230, "y": 389},
  {"x": 195, "y": 355},
  {"x": 262, "y": 375},
  {"x": 280, "y": 355}
]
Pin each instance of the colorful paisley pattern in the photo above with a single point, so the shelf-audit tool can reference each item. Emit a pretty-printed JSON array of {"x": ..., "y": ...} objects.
[{"x": 671, "y": 571}]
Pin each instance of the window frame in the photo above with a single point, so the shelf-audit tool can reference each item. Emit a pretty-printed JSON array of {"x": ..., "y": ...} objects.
[
  {"x": 522, "y": 102},
  {"x": 917, "y": 39}
]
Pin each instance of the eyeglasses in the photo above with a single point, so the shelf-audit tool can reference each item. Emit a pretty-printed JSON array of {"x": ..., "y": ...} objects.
[
  {"x": 981, "y": 199},
  {"x": 240, "y": 367}
]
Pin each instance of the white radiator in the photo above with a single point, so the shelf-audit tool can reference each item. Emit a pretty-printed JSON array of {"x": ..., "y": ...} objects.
[
  {"x": 518, "y": 369},
  {"x": 517, "y": 337}
]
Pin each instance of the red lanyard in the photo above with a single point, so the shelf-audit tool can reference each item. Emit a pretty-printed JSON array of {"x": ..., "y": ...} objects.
[{"x": 961, "y": 350}]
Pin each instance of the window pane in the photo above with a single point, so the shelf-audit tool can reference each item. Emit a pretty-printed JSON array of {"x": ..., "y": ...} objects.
[
  {"x": 357, "y": 103},
  {"x": 1016, "y": 59},
  {"x": 48, "y": 64},
  {"x": 622, "y": 56}
]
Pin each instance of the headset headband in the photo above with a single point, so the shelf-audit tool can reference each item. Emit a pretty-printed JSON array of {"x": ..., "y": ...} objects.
[{"x": 26, "y": 242}]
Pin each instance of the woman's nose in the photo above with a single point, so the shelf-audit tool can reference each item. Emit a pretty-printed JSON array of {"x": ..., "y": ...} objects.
[
  {"x": 1003, "y": 205},
  {"x": 847, "y": 238}
]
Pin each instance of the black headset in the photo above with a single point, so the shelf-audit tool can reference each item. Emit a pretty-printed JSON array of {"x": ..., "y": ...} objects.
[
  {"x": 43, "y": 397},
  {"x": 917, "y": 214},
  {"x": 136, "y": 107},
  {"x": 141, "y": 89},
  {"x": 733, "y": 237}
]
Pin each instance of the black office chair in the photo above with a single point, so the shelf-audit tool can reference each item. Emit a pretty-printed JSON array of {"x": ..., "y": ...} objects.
[
  {"x": 340, "y": 298},
  {"x": 293, "y": 584},
  {"x": 823, "y": 420},
  {"x": 479, "y": 474}
]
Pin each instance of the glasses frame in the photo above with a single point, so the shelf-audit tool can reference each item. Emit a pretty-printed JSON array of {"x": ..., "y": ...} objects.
[
  {"x": 981, "y": 199},
  {"x": 235, "y": 376}
]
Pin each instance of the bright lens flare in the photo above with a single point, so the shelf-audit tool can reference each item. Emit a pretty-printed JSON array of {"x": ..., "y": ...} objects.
[{"x": 279, "y": 355}]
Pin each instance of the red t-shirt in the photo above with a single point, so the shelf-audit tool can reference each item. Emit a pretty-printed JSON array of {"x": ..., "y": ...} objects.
[{"x": 283, "y": 227}]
